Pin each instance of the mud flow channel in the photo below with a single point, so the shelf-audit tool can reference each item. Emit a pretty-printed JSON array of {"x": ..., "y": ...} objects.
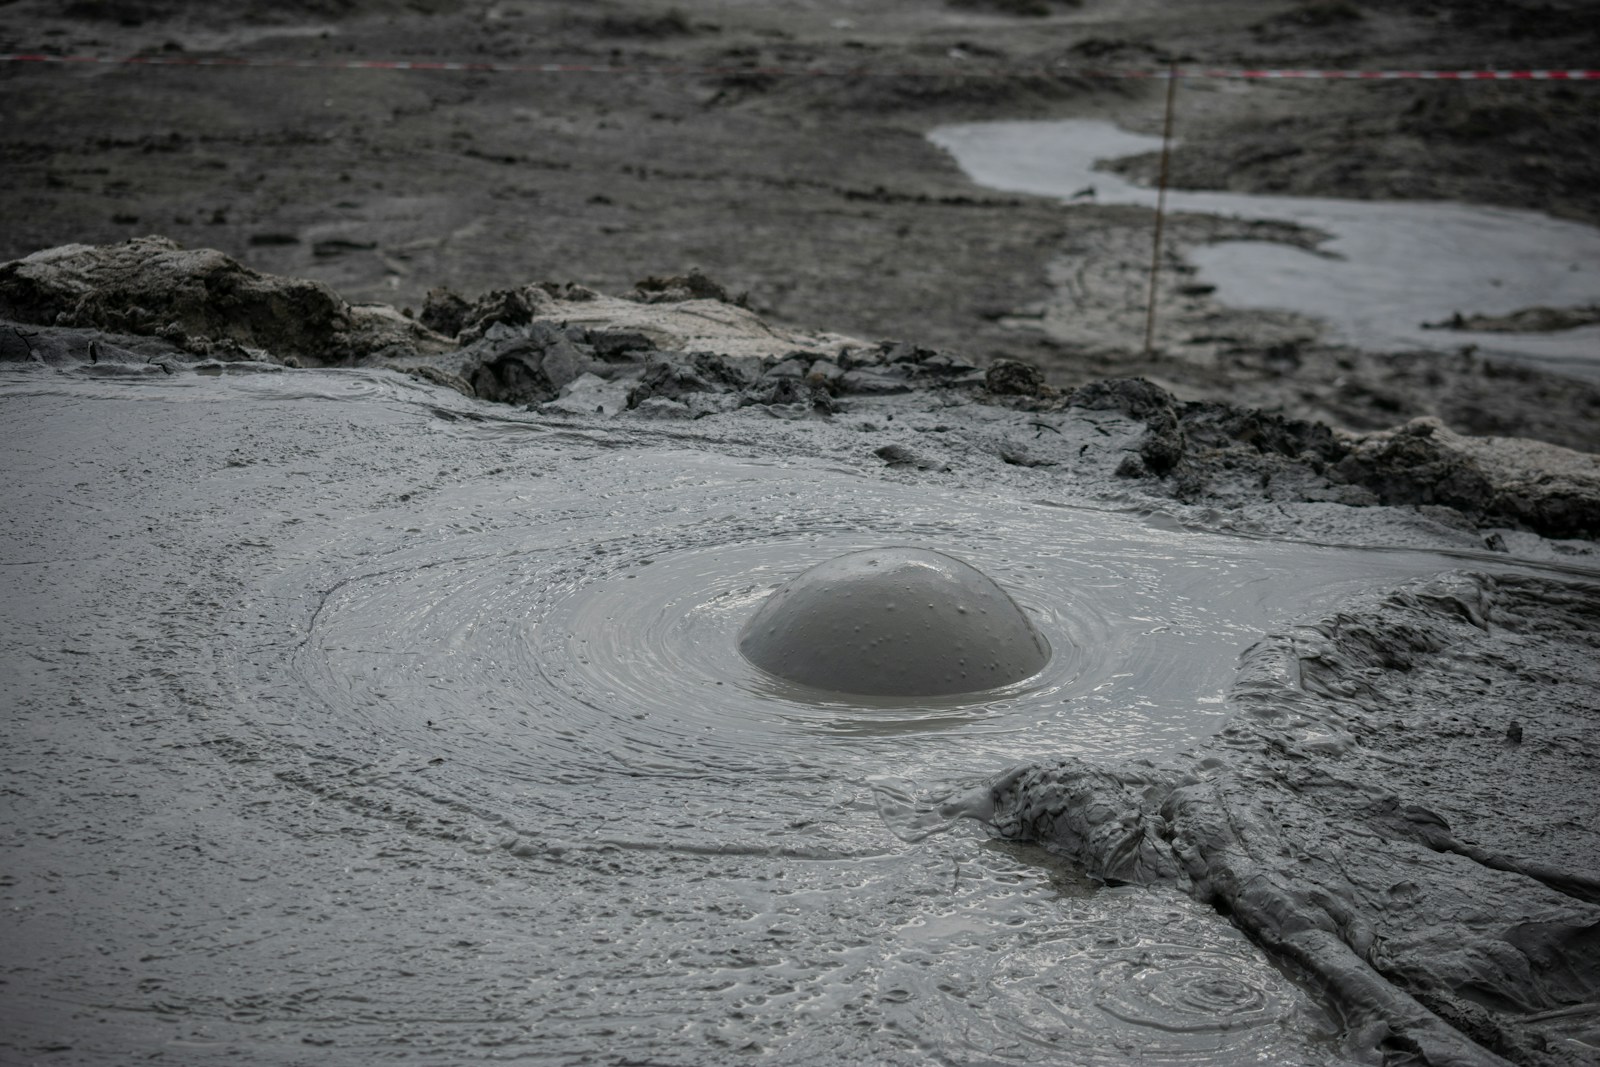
[
  {"x": 1385, "y": 269},
  {"x": 396, "y": 723}
]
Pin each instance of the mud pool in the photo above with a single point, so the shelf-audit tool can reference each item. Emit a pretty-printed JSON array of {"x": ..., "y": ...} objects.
[
  {"x": 354, "y": 719},
  {"x": 1386, "y": 268}
]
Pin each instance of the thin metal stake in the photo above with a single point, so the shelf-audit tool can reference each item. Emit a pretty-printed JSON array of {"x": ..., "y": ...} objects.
[{"x": 1161, "y": 212}]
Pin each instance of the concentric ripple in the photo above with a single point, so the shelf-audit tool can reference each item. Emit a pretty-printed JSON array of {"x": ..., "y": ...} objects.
[
  {"x": 1172, "y": 1000},
  {"x": 1125, "y": 976},
  {"x": 585, "y": 626}
]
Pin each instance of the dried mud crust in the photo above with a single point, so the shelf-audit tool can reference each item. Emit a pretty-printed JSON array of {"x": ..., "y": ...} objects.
[
  {"x": 681, "y": 347},
  {"x": 1453, "y": 722},
  {"x": 203, "y": 302}
]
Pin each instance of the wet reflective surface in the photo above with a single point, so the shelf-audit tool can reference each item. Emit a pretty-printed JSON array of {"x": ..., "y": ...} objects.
[
  {"x": 894, "y": 622},
  {"x": 396, "y": 725},
  {"x": 1388, "y": 267}
]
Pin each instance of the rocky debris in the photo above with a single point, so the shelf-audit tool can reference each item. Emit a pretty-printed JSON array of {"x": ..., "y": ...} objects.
[
  {"x": 1523, "y": 320},
  {"x": 526, "y": 346},
  {"x": 528, "y": 366},
  {"x": 701, "y": 324},
  {"x": 445, "y": 311},
  {"x": 1467, "y": 944},
  {"x": 699, "y": 354},
  {"x": 503, "y": 307},
  {"x": 204, "y": 303},
  {"x": 1206, "y": 452}
]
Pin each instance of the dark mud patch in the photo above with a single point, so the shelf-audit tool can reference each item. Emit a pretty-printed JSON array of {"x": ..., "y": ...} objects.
[{"x": 1524, "y": 320}]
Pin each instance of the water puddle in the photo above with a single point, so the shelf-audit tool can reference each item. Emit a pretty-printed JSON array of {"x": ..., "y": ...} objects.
[{"x": 1388, "y": 267}]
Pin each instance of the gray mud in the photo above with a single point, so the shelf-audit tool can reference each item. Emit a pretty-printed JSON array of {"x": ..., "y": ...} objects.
[
  {"x": 392, "y": 710},
  {"x": 433, "y": 737},
  {"x": 356, "y": 715}
]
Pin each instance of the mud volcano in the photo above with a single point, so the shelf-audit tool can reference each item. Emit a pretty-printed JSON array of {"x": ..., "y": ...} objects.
[{"x": 894, "y": 622}]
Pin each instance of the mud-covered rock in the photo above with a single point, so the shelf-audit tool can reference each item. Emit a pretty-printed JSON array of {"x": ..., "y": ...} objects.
[
  {"x": 445, "y": 311},
  {"x": 204, "y": 302},
  {"x": 1163, "y": 445},
  {"x": 1551, "y": 490},
  {"x": 500, "y": 307},
  {"x": 57, "y": 346},
  {"x": 1133, "y": 397},
  {"x": 707, "y": 382},
  {"x": 1011, "y": 377},
  {"x": 527, "y": 366}
]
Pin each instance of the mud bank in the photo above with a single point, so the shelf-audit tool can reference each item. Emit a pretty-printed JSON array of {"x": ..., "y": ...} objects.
[{"x": 681, "y": 348}]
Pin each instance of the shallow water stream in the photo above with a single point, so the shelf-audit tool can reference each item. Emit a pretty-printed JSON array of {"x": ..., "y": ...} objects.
[
  {"x": 1387, "y": 268},
  {"x": 357, "y": 719}
]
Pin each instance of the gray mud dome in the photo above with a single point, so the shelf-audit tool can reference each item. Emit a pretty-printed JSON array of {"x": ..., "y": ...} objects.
[{"x": 894, "y": 622}]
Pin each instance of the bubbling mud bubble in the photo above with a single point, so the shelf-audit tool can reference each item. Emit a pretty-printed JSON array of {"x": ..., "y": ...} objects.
[{"x": 903, "y": 622}]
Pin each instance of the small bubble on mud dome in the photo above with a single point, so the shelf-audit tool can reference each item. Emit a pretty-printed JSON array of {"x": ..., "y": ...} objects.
[{"x": 838, "y": 627}]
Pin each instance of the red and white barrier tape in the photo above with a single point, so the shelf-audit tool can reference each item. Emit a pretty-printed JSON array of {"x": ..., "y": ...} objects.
[{"x": 825, "y": 72}]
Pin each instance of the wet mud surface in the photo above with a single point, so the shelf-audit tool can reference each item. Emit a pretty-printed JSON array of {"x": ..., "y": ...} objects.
[
  {"x": 359, "y": 717},
  {"x": 467, "y": 764},
  {"x": 371, "y": 626}
]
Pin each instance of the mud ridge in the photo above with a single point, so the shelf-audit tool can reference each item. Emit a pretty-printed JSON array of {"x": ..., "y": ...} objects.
[{"x": 680, "y": 347}]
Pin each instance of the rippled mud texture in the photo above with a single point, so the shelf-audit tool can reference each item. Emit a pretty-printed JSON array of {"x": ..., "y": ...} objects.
[
  {"x": 356, "y": 718},
  {"x": 1400, "y": 808},
  {"x": 387, "y": 664},
  {"x": 324, "y": 743},
  {"x": 894, "y": 622}
]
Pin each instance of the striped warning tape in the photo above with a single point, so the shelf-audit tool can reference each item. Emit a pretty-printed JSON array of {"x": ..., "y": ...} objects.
[{"x": 827, "y": 72}]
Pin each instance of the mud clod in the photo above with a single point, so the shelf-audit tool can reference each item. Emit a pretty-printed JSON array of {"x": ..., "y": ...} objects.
[
  {"x": 204, "y": 302},
  {"x": 1010, "y": 377},
  {"x": 677, "y": 288},
  {"x": 445, "y": 312}
]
